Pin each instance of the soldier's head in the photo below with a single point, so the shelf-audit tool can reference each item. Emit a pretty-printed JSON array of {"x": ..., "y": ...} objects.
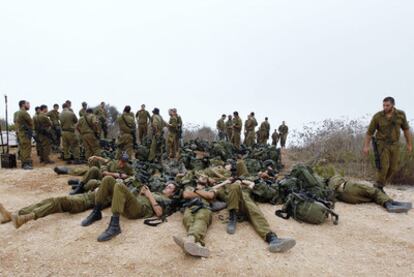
[
  {"x": 236, "y": 114},
  {"x": 103, "y": 104},
  {"x": 127, "y": 109},
  {"x": 266, "y": 119},
  {"x": 230, "y": 117},
  {"x": 65, "y": 106},
  {"x": 123, "y": 160},
  {"x": 283, "y": 123},
  {"x": 223, "y": 116},
  {"x": 143, "y": 106},
  {"x": 89, "y": 111},
  {"x": 388, "y": 104},
  {"x": 156, "y": 111},
  {"x": 56, "y": 107},
  {"x": 37, "y": 109},
  {"x": 68, "y": 103},
  {"x": 43, "y": 108},
  {"x": 23, "y": 104},
  {"x": 202, "y": 182},
  {"x": 84, "y": 105},
  {"x": 252, "y": 114},
  {"x": 170, "y": 189}
]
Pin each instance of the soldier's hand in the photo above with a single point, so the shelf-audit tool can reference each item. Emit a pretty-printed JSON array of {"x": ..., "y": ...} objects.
[{"x": 365, "y": 150}]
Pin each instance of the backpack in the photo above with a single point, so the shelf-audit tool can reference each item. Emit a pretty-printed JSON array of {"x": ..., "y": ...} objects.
[{"x": 304, "y": 208}]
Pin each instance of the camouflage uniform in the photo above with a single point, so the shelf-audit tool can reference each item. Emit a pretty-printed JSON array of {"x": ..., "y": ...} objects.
[
  {"x": 127, "y": 131},
  {"x": 237, "y": 127},
  {"x": 70, "y": 140},
  {"x": 387, "y": 132},
  {"x": 143, "y": 118},
  {"x": 283, "y": 132},
  {"x": 25, "y": 130},
  {"x": 88, "y": 128}
]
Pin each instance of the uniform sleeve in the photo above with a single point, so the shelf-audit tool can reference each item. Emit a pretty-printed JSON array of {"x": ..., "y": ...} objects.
[
  {"x": 405, "y": 126},
  {"x": 372, "y": 126}
]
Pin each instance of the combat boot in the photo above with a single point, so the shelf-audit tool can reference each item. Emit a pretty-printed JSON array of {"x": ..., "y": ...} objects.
[
  {"x": 112, "y": 231},
  {"x": 231, "y": 225},
  {"x": 277, "y": 245},
  {"x": 5, "y": 215},
  {"x": 73, "y": 182},
  {"x": 179, "y": 241},
  {"x": 380, "y": 187},
  {"x": 95, "y": 215},
  {"x": 19, "y": 220},
  {"x": 397, "y": 207},
  {"x": 78, "y": 190},
  {"x": 27, "y": 166},
  {"x": 61, "y": 170},
  {"x": 195, "y": 248}
]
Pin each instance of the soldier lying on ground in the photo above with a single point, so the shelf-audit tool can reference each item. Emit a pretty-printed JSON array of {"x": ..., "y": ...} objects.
[
  {"x": 132, "y": 205},
  {"x": 99, "y": 168},
  {"x": 71, "y": 204}
]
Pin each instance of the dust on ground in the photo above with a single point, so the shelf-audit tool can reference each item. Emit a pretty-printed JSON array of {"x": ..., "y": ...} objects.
[{"x": 367, "y": 242}]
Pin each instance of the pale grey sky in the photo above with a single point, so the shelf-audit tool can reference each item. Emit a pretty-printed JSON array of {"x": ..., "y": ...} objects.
[{"x": 297, "y": 61}]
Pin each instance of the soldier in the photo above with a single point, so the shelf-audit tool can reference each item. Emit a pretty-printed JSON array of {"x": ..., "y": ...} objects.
[
  {"x": 16, "y": 127},
  {"x": 275, "y": 138},
  {"x": 25, "y": 134},
  {"x": 44, "y": 135},
  {"x": 70, "y": 140},
  {"x": 264, "y": 132},
  {"x": 88, "y": 128},
  {"x": 69, "y": 105},
  {"x": 56, "y": 129},
  {"x": 221, "y": 127},
  {"x": 143, "y": 119},
  {"x": 127, "y": 132},
  {"x": 172, "y": 134},
  {"x": 386, "y": 126},
  {"x": 82, "y": 112},
  {"x": 179, "y": 130},
  {"x": 197, "y": 218},
  {"x": 237, "y": 128},
  {"x": 239, "y": 202},
  {"x": 157, "y": 125},
  {"x": 145, "y": 204},
  {"x": 283, "y": 133},
  {"x": 250, "y": 132},
  {"x": 102, "y": 116},
  {"x": 36, "y": 131},
  {"x": 70, "y": 204},
  {"x": 229, "y": 128}
]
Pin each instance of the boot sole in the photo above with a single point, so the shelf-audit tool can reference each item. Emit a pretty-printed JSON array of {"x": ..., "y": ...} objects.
[
  {"x": 196, "y": 250},
  {"x": 109, "y": 238},
  {"x": 283, "y": 247},
  {"x": 179, "y": 242},
  {"x": 398, "y": 210}
]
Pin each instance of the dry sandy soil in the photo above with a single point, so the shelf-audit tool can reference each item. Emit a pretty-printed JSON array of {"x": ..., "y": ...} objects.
[{"x": 367, "y": 242}]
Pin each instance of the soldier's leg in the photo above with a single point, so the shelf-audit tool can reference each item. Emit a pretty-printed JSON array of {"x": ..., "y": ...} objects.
[
  {"x": 255, "y": 215},
  {"x": 65, "y": 145},
  {"x": 87, "y": 146},
  {"x": 125, "y": 203},
  {"x": 92, "y": 185},
  {"x": 93, "y": 173},
  {"x": 197, "y": 224},
  {"x": 25, "y": 149},
  {"x": 393, "y": 162},
  {"x": 385, "y": 166},
  {"x": 106, "y": 191},
  {"x": 75, "y": 147}
]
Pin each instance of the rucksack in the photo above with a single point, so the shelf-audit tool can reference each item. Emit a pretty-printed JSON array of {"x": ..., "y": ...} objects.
[{"x": 304, "y": 208}]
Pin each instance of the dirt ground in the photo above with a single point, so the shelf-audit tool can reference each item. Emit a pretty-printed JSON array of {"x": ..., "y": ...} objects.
[{"x": 367, "y": 242}]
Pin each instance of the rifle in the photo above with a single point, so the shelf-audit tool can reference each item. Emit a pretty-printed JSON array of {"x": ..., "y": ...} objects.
[
  {"x": 376, "y": 153},
  {"x": 29, "y": 133}
]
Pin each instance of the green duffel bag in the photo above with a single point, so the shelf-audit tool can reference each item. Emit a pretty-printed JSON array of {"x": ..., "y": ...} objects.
[{"x": 305, "y": 209}]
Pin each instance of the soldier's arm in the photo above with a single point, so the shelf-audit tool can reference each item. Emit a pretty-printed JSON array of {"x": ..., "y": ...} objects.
[
  {"x": 155, "y": 206},
  {"x": 371, "y": 131}
]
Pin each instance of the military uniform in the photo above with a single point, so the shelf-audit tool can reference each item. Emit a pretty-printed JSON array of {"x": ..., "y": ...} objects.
[
  {"x": 127, "y": 131},
  {"x": 236, "y": 137},
  {"x": 70, "y": 141},
  {"x": 143, "y": 118},
  {"x": 25, "y": 131},
  {"x": 264, "y": 132},
  {"x": 102, "y": 116},
  {"x": 88, "y": 128},
  {"x": 179, "y": 132},
  {"x": 387, "y": 132},
  {"x": 283, "y": 132},
  {"x": 56, "y": 129},
  {"x": 36, "y": 134},
  {"x": 172, "y": 137},
  {"x": 250, "y": 126},
  {"x": 275, "y": 138},
  {"x": 44, "y": 136},
  {"x": 157, "y": 125},
  {"x": 221, "y": 128},
  {"x": 229, "y": 130},
  {"x": 356, "y": 193},
  {"x": 82, "y": 112},
  {"x": 16, "y": 127}
]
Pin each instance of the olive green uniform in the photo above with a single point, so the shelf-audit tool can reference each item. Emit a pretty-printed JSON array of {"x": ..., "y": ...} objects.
[
  {"x": 36, "y": 134},
  {"x": 237, "y": 127},
  {"x": 283, "y": 133},
  {"x": 172, "y": 137},
  {"x": 264, "y": 132},
  {"x": 82, "y": 112},
  {"x": 275, "y": 138},
  {"x": 102, "y": 116},
  {"x": 156, "y": 137},
  {"x": 56, "y": 128},
  {"x": 229, "y": 130},
  {"x": 127, "y": 131},
  {"x": 70, "y": 140},
  {"x": 250, "y": 126},
  {"x": 44, "y": 136},
  {"x": 221, "y": 128},
  {"x": 70, "y": 204},
  {"x": 25, "y": 131},
  {"x": 143, "y": 118},
  {"x": 16, "y": 127},
  {"x": 88, "y": 128},
  {"x": 126, "y": 203},
  {"x": 387, "y": 132},
  {"x": 179, "y": 132},
  {"x": 355, "y": 193},
  {"x": 197, "y": 220}
]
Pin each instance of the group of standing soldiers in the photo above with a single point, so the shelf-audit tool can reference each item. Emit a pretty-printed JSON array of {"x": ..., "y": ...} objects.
[
  {"x": 231, "y": 129},
  {"x": 65, "y": 132}
]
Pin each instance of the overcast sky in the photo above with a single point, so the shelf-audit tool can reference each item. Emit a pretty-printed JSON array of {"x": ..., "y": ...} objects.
[{"x": 297, "y": 61}]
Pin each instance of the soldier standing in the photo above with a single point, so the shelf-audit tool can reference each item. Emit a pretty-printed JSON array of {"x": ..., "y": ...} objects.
[
  {"x": 127, "y": 130},
  {"x": 70, "y": 140},
  {"x": 56, "y": 129},
  {"x": 82, "y": 112},
  {"x": 229, "y": 128},
  {"x": 275, "y": 138},
  {"x": 102, "y": 116},
  {"x": 143, "y": 118},
  {"x": 237, "y": 128},
  {"x": 250, "y": 126},
  {"x": 172, "y": 134},
  {"x": 179, "y": 129},
  {"x": 25, "y": 134},
  {"x": 283, "y": 133},
  {"x": 88, "y": 128},
  {"x": 221, "y": 127},
  {"x": 44, "y": 135},
  {"x": 385, "y": 126},
  {"x": 264, "y": 131},
  {"x": 36, "y": 130},
  {"x": 157, "y": 125}
]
